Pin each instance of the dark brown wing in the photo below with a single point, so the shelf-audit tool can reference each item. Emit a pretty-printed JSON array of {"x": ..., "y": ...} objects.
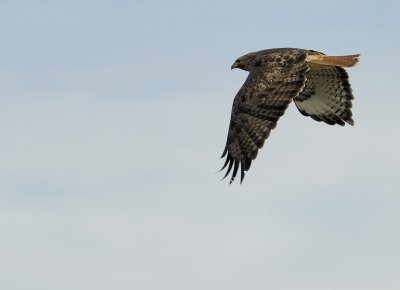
[
  {"x": 327, "y": 95},
  {"x": 274, "y": 80}
]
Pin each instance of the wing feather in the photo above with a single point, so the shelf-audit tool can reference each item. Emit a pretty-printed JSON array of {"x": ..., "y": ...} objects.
[
  {"x": 274, "y": 80},
  {"x": 327, "y": 95}
]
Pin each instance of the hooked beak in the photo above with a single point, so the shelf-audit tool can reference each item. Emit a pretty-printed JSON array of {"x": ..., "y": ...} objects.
[{"x": 235, "y": 65}]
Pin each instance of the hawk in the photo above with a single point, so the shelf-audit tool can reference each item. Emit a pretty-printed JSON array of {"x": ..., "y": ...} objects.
[{"x": 318, "y": 84}]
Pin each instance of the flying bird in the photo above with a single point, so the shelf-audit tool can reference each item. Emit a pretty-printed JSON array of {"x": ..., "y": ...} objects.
[{"x": 318, "y": 84}]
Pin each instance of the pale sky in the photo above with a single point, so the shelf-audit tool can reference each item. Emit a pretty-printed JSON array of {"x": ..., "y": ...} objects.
[{"x": 113, "y": 116}]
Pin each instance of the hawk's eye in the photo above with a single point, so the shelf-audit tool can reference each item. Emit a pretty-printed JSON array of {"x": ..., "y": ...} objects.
[{"x": 257, "y": 62}]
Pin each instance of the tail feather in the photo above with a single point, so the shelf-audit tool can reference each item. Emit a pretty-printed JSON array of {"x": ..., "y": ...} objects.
[{"x": 343, "y": 61}]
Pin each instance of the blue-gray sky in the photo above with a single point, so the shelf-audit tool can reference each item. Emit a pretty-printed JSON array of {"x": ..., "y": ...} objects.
[{"x": 113, "y": 115}]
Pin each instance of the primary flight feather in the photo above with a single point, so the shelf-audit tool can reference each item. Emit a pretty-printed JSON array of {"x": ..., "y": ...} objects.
[{"x": 318, "y": 84}]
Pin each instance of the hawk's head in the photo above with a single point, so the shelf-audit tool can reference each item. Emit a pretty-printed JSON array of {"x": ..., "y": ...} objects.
[{"x": 244, "y": 62}]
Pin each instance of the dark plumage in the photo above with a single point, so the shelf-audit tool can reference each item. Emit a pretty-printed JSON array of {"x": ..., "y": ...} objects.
[{"x": 317, "y": 83}]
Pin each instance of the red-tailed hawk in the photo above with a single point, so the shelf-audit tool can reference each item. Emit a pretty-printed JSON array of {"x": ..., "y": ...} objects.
[{"x": 317, "y": 83}]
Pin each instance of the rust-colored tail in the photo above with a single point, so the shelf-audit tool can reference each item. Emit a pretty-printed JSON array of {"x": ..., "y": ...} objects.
[{"x": 343, "y": 61}]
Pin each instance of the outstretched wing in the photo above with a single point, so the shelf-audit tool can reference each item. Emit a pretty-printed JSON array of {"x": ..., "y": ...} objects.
[
  {"x": 327, "y": 95},
  {"x": 274, "y": 80}
]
